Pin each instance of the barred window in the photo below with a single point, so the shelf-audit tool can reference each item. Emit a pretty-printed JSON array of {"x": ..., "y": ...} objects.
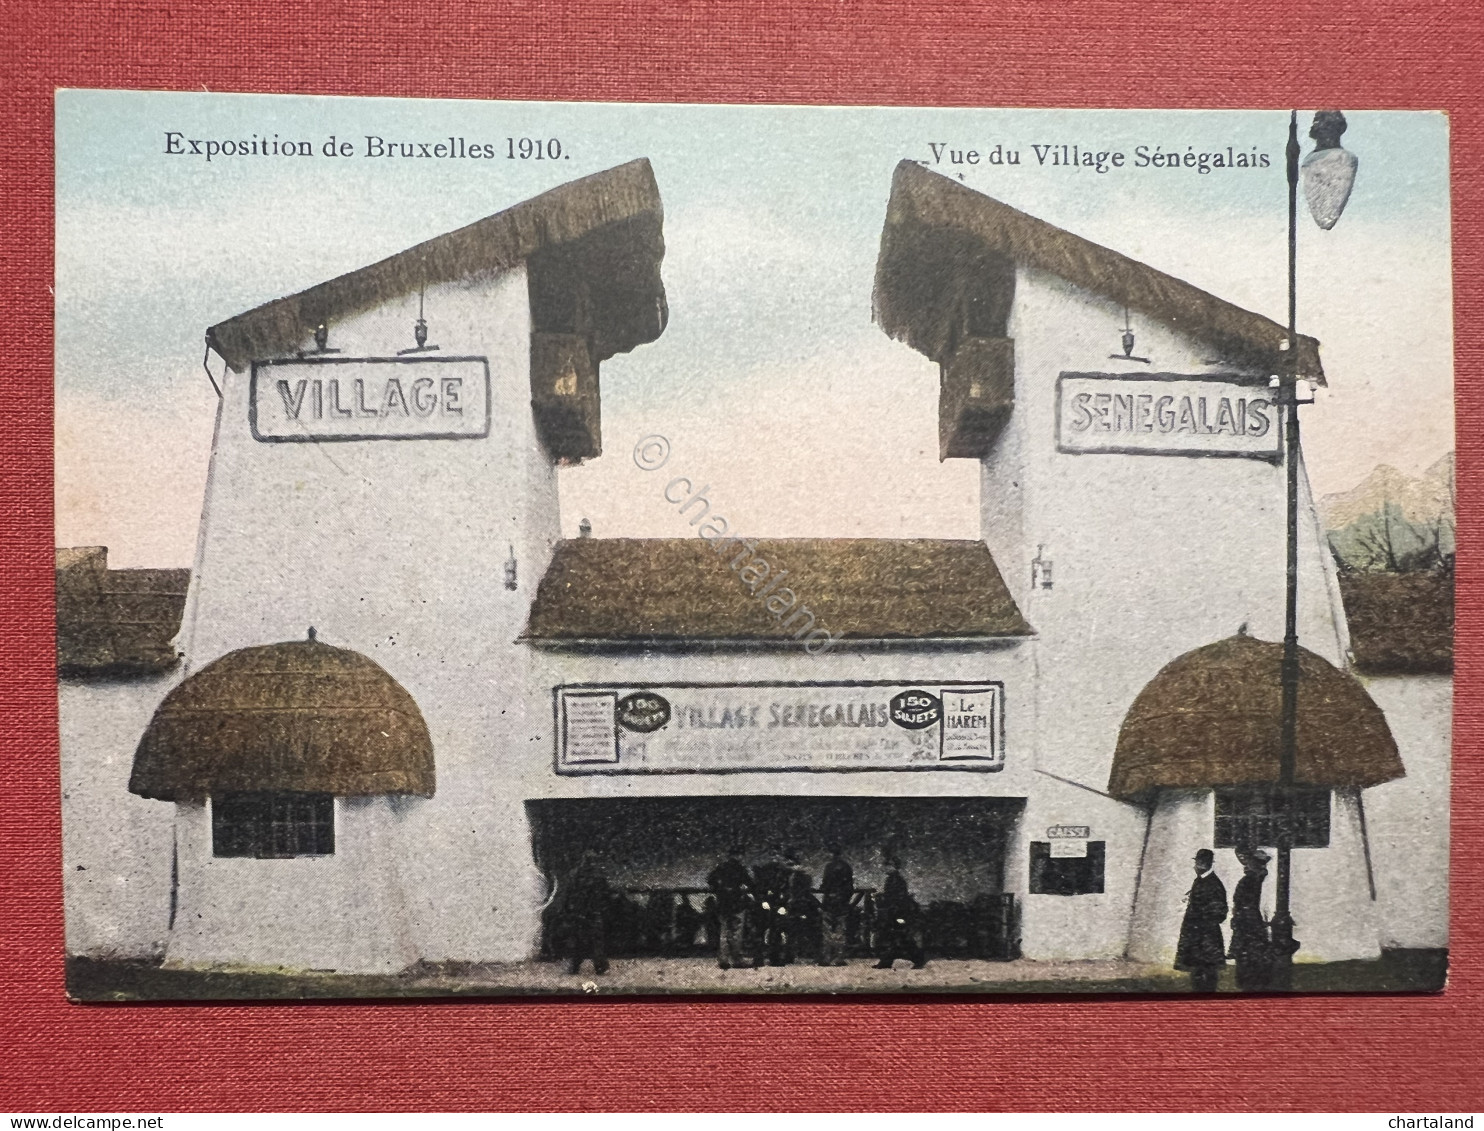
[
  {"x": 1254, "y": 816},
  {"x": 271, "y": 826},
  {"x": 1066, "y": 875}
]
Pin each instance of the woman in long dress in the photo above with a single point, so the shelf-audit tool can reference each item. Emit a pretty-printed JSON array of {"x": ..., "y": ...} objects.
[{"x": 1251, "y": 946}]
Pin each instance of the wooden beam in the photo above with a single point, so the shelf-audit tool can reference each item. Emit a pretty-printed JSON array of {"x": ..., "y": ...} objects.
[{"x": 975, "y": 397}]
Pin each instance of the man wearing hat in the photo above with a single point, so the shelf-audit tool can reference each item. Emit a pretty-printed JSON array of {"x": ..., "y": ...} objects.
[
  {"x": 801, "y": 927},
  {"x": 898, "y": 911},
  {"x": 1251, "y": 947},
  {"x": 1202, "y": 950},
  {"x": 770, "y": 883},
  {"x": 732, "y": 884},
  {"x": 837, "y": 889},
  {"x": 586, "y": 907}
]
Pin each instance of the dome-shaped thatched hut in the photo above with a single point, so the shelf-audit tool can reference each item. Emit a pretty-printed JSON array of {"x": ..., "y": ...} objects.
[
  {"x": 300, "y": 716},
  {"x": 1213, "y": 717},
  {"x": 283, "y": 761},
  {"x": 1201, "y": 747}
]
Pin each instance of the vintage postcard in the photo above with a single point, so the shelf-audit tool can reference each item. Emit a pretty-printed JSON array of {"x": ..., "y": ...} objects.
[{"x": 577, "y": 548}]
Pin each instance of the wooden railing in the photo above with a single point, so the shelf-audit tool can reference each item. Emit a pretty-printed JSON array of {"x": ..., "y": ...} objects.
[{"x": 682, "y": 920}]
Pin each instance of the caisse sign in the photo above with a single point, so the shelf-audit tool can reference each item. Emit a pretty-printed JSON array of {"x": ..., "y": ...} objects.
[
  {"x": 1068, "y": 841},
  {"x": 720, "y": 728}
]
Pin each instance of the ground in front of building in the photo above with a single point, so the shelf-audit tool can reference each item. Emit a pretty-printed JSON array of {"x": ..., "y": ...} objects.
[{"x": 1397, "y": 971}]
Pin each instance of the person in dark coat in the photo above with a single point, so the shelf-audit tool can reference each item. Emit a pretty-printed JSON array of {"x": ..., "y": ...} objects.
[
  {"x": 1202, "y": 950},
  {"x": 801, "y": 925},
  {"x": 732, "y": 886},
  {"x": 586, "y": 909},
  {"x": 1251, "y": 946},
  {"x": 898, "y": 921},
  {"x": 770, "y": 882},
  {"x": 837, "y": 889}
]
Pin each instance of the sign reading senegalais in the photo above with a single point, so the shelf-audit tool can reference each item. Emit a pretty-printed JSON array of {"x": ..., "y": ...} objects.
[
  {"x": 1167, "y": 414},
  {"x": 427, "y": 397},
  {"x": 716, "y": 728}
]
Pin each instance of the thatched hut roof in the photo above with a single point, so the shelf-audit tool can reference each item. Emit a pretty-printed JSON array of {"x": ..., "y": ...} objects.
[
  {"x": 592, "y": 248},
  {"x": 116, "y": 622},
  {"x": 298, "y": 716},
  {"x": 1400, "y": 623},
  {"x": 680, "y": 589},
  {"x": 948, "y": 256},
  {"x": 1213, "y": 717}
]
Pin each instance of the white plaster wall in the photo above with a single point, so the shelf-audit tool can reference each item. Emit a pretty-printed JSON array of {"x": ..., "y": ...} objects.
[
  {"x": 1181, "y": 824},
  {"x": 1334, "y": 916},
  {"x": 1094, "y": 925},
  {"x": 1408, "y": 818},
  {"x": 1002, "y": 507},
  {"x": 396, "y": 549},
  {"x": 342, "y": 912},
  {"x": 1153, "y": 555},
  {"x": 116, "y": 847}
]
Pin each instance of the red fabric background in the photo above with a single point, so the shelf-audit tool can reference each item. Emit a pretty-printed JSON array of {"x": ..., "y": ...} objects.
[{"x": 1315, "y": 1053}]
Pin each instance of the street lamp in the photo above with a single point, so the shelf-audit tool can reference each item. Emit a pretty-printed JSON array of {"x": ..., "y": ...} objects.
[{"x": 1329, "y": 174}]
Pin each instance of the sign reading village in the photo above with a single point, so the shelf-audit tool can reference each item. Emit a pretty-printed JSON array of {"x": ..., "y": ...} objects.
[
  {"x": 1166, "y": 414},
  {"x": 369, "y": 398},
  {"x": 716, "y": 728}
]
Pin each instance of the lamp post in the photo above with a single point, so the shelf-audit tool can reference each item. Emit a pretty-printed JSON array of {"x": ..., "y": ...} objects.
[{"x": 1329, "y": 174}]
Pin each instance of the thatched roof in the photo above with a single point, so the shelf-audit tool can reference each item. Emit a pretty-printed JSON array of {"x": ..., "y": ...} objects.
[
  {"x": 116, "y": 622},
  {"x": 1214, "y": 717},
  {"x": 1400, "y": 623},
  {"x": 681, "y": 589},
  {"x": 946, "y": 271},
  {"x": 592, "y": 248},
  {"x": 299, "y": 716}
]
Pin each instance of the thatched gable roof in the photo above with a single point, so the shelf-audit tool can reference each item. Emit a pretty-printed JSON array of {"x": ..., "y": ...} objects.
[
  {"x": 946, "y": 271},
  {"x": 116, "y": 622},
  {"x": 1400, "y": 623},
  {"x": 680, "y": 589},
  {"x": 1213, "y": 717},
  {"x": 299, "y": 716},
  {"x": 592, "y": 248}
]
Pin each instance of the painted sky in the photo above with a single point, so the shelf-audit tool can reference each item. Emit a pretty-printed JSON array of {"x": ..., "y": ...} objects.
[{"x": 771, "y": 381}]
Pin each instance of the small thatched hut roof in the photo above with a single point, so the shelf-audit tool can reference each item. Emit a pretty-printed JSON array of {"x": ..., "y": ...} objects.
[
  {"x": 592, "y": 249},
  {"x": 116, "y": 623},
  {"x": 641, "y": 590},
  {"x": 947, "y": 267},
  {"x": 1213, "y": 717},
  {"x": 299, "y": 716},
  {"x": 1400, "y": 623}
]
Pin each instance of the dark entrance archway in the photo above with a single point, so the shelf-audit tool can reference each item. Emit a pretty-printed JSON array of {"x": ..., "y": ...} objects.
[{"x": 657, "y": 851}]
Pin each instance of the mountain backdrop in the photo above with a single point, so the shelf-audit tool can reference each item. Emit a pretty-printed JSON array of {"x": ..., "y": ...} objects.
[{"x": 1394, "y": 522}]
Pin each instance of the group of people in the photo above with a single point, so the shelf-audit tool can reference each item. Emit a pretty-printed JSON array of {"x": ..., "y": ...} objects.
[
  {"x": 770, "y": 914},
  {"x": 1202, "y": 950}
]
